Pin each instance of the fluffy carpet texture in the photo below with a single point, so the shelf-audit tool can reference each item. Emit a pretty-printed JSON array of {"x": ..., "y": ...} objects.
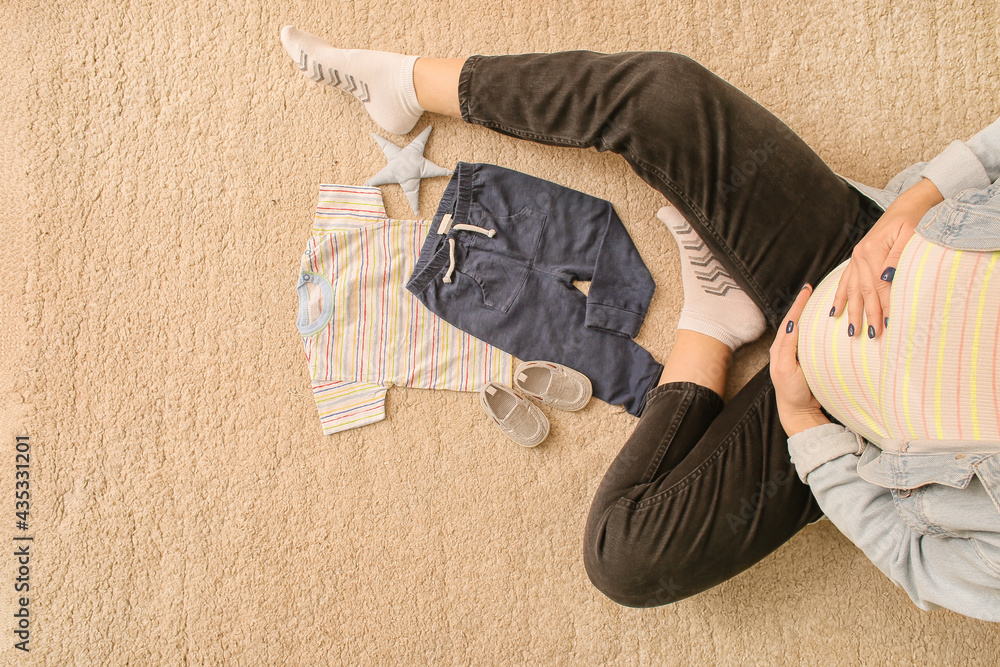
[{"x": 159, "y": 164}]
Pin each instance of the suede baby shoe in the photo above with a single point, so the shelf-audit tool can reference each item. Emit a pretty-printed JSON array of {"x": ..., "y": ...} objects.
[
  {"x": 517, "y": 417},
  {"x": 553, "y": 384}
]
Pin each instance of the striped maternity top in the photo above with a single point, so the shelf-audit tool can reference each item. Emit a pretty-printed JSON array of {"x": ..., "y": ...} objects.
[
  {"x": 933, "y": 374},
  {"x": 361, "y": 329}
]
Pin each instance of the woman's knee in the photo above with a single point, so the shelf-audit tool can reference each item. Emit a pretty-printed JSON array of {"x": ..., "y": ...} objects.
[
  {"x": 630, "y": 579},
  {"x": 626, "y": 568}
]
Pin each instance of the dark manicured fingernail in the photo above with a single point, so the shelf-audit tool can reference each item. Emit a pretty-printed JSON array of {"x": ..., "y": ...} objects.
[
  {"x": 806, "y": 286},
  {"x": 887, "y": 323},
  {"x": 889, "y": 274},
  {"x": 832, "y": 311},
  {"x": 871, "y": 330},
  {"x": 850, "y": 329},
  {"x": 791, "y": 325}
]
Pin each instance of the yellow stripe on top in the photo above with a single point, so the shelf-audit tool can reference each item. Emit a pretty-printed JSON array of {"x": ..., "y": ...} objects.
[
  {"x": 973, "y": 380},
  {"x": 379, "y": 334},
  {"x": 846, "y": 390},
  {"x": 810, "y": 322},
  {"x": 949, "y": 292},
  {"x": 934, "y": 364},
  {"x": 906, "y": 401}
]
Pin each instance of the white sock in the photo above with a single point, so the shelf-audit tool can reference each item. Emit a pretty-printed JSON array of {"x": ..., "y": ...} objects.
[
  {"x": 713, "y": 303},
  {"x": 382, "y": 81}
]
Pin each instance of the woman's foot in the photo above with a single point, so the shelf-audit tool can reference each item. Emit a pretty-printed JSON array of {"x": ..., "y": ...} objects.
[
  {"x": 714, "y": 304},
  {"x": 382, "y": 81}
]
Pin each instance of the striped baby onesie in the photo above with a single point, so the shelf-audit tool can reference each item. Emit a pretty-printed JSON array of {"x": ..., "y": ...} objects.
[
  {"x": 361, "y": 329},
  {"x": 933, "y": 374}
]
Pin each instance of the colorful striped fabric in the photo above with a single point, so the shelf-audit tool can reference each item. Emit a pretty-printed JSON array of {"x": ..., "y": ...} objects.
[
  {"x": 933, "y": 374},
  {"x": 361, "y": 329}
]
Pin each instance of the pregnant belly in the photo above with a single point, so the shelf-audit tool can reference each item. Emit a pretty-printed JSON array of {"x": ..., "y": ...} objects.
[{"x": 933, "y": 374}]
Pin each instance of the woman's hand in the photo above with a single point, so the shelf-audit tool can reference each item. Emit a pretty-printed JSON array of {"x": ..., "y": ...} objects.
[
  {"x": 798, "y": 409},
  {"x": 864, "y": 285}
]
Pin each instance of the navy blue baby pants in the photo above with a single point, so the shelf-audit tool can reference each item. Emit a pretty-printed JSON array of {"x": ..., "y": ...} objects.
[{"x": 502, "y": 269}]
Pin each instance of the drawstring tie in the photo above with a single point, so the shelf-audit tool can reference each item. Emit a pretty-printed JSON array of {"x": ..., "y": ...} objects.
[
  {"x": 451, "y": 261},
  {"x": 451, "y": 246}
]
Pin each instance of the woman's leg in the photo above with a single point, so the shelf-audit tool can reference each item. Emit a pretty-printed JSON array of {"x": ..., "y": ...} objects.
[
  {"x": 700, "y": 492},
  {"x": 436, "y": 83},
  {"x": 766, "y": 205},
  {"x": 700, "y": 359}
]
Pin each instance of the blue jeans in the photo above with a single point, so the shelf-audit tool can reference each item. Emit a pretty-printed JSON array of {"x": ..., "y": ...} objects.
[
  {"x": 702, "y": 489},
  {"x": 513, "y": 285}
]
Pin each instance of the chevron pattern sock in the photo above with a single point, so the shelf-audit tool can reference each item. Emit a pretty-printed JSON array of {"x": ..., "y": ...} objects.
[
  {"x": 713, "y": 303},
  {"x": 382, "y": 81}
]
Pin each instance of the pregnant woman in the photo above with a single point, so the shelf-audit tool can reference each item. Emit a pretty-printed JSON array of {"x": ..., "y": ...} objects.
[{"x": 879, "y": 407}]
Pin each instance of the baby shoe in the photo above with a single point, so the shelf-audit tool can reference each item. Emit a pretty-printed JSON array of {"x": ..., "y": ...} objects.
[
  {"x": 553, "y": 384},
  {"x": 518, "y": 418}
]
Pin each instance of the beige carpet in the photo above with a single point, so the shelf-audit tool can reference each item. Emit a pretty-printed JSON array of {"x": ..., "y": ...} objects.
[{"x": 159, "y": 164}]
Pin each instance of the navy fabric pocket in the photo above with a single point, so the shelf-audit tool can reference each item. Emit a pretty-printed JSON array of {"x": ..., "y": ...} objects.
[
  {"x": 516, "y": 235},
  {"x": 500, "y": 263}
]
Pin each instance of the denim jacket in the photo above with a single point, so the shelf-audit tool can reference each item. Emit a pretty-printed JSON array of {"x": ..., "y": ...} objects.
[{"x": 927, "y": 513}]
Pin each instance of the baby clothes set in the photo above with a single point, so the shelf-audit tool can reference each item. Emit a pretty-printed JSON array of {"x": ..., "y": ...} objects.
[
  {"x": 362, "y": 331},
  {"x": 494, "y": 278}
]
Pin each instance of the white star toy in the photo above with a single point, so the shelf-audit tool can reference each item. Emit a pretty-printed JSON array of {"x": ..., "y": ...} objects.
[{"x": 407, "y": 166}]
